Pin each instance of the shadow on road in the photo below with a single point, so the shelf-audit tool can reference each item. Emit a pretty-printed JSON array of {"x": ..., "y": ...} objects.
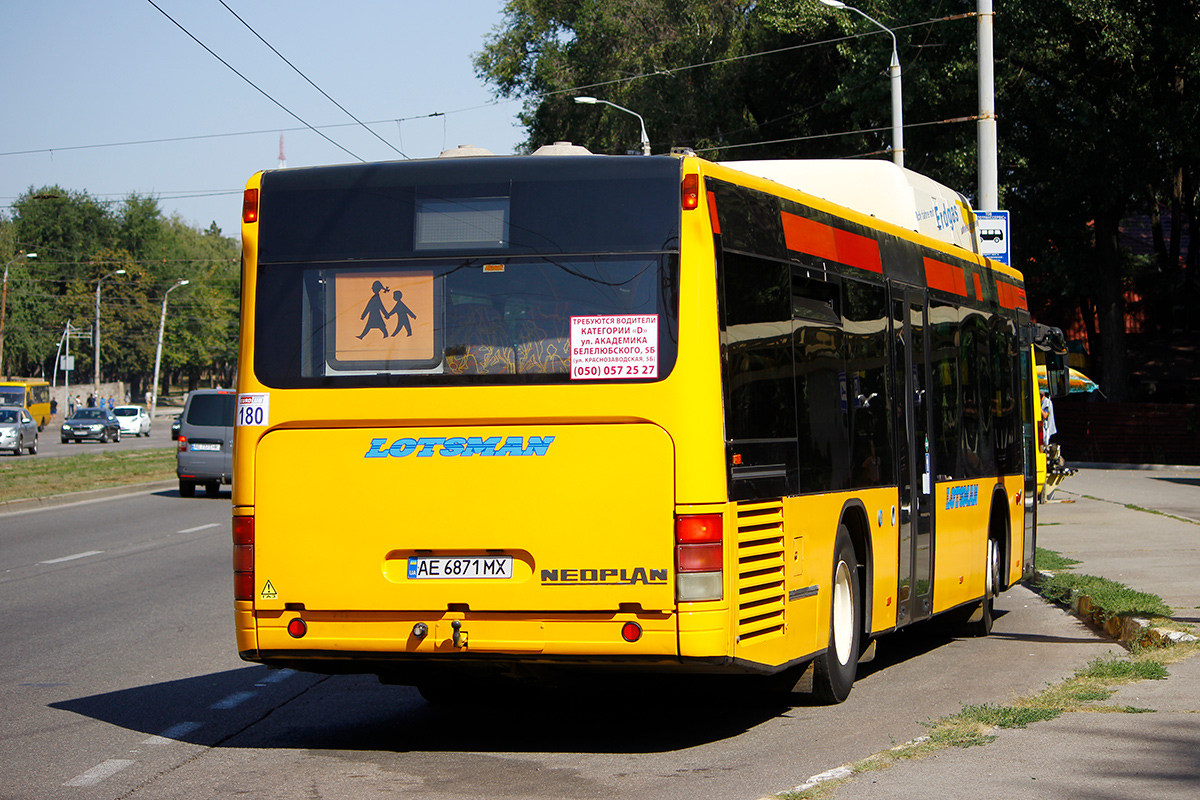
[{"x": 253, "y": 707}]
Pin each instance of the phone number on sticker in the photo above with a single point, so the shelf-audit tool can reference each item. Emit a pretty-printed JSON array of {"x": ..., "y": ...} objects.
[{"x": 629, "y": 371}]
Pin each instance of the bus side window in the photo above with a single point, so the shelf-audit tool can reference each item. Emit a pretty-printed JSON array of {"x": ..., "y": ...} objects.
[
  {"x": 866, "y": 338},
  {"x": 760, "y": 394},
  {"x": 977, "y": 453},
  {"x": 946, "y": 390},
  {"x": 823, "y": 386}
]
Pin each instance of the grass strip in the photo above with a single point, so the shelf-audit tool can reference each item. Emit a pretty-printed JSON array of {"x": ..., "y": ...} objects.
[
  {"x": 1051, "y": 560},
  {"x": 28, "y": 477},
  {"x": 1086, "y": 690},
  {"x": 977, "y": 725}
]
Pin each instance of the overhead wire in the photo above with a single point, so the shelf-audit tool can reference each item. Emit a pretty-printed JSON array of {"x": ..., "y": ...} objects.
[
  {"x": 261, "y": 91},
  {"x": 492, "y": 104},
  {"x": 310, "y": 82}
]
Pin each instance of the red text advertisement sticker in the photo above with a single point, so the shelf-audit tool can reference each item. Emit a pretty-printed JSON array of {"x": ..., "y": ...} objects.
[{"x": 614, "y": 347}]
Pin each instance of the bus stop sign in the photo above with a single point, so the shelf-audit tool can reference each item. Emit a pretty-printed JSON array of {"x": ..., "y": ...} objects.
[{"x": 994, "y": 239}]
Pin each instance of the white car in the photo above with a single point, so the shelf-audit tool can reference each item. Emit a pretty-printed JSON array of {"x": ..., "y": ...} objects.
[
  {"x": 134, "y": 420},
  {"x": 18, "y": 431}
]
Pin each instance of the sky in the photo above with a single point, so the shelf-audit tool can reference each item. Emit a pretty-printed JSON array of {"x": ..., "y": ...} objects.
[{"x": 79, "y": 75}]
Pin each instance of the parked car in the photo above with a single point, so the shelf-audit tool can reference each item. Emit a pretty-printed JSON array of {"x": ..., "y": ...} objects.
[
  {"x": 205, "y": 450},
  {"x": 18, "y": 430},
  {"x": 134, "y": 420},
  {"x": 91, "y": 423}
]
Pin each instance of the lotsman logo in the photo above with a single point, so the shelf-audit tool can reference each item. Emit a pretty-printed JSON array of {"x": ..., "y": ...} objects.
[
  {"x": 429, "y": 446},
  {"x": 962, "y": 497}
]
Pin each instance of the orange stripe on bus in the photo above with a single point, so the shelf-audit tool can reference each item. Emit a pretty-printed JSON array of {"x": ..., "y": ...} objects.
[
  {"x": 1011, "y": 296},
  {"x": 824, "y": 241},
  {"x": 712, "y": 213},
  {"x": 946, "y": 277}
]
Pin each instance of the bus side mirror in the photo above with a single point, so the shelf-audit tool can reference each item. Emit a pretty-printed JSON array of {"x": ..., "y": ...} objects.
[{"x": 1057, "y": 374}]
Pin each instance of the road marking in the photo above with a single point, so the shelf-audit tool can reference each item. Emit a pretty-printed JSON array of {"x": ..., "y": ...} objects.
[
  {"x": 201, "y": 527},
  {"x": 173, "y": 733},
  {"x": 276, "y": 676},
  {"x": 232, "y": 701},
  {"x": 99, "y": 772},
  {"x": 72, "y": 558}
]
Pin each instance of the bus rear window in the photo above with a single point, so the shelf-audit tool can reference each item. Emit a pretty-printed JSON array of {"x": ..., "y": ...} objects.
[
  {"x": 479, "y": 320},
  {"x": 212, "y": 409}
]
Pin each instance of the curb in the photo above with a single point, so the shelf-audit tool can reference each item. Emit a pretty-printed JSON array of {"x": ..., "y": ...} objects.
[
  {"x": 1129, "y": 631},
  {"x": 92, "y": 495}
]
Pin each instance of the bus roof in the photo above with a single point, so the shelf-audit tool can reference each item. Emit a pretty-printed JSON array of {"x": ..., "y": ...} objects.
[{"x": 880, "y": 189}]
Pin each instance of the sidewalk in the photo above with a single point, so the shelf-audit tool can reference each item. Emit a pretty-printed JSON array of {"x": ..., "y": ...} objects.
[{"x": 1086, "y": 755}]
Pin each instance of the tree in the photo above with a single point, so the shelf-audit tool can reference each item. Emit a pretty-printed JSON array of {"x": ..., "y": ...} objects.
[
  {"x": 80, "y": 240},
  {"x": 676, "y": 63},
  {"x": 1097, "y": 117}
]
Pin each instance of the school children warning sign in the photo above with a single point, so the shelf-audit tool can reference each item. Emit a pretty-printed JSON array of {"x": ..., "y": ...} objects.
[{"x": 608, "y": 347}]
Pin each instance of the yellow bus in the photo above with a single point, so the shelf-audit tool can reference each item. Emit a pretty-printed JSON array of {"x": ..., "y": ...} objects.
[
  {"x": 513, "y": 417},
  {"x": 33, "y": 394}
]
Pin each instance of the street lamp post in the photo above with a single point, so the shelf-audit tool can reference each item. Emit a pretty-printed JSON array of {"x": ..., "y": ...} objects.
[
  {"x": 96, "y": 339},
  {"x": 4, "y": 304},
  {"x": 642, "y": 122},
  {"x": 162, "y": 323},
  {"x": 894, "y": 72}
]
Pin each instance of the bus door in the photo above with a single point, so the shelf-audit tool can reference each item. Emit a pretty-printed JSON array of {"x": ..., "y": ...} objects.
[{"x": 911, "y": 363}]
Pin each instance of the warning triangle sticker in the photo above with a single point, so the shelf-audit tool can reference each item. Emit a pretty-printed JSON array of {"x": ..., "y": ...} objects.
[{"x": 268, "y": 592}]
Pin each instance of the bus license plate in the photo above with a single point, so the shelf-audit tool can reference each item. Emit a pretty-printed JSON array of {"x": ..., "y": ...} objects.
[{"x": 452, "y": 567}]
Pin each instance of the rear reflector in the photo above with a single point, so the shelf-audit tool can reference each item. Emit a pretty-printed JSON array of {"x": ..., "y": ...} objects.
[
  {"x": 243, "y": 586},
  {"x": 631, "y": 631},
  {"x": 297, "y": 628}
]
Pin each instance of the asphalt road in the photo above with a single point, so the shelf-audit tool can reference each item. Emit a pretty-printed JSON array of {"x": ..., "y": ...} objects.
[{"x": 119, "y": 678}]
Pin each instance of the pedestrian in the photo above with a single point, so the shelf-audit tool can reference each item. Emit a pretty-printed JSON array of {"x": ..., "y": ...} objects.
[
  {"x": 1048, "y": 426},
  {"x": 91, "y": 400},
  {"x": 53, "y": 406},
  {"x": 149, "y": 398}
]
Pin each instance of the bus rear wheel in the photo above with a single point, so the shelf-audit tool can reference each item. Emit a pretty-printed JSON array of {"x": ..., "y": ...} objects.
[
  {"x": 835, "y": 669},
  {"x": 979, "y": 623}
]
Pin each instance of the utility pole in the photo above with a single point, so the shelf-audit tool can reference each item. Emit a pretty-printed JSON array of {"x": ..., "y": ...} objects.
[{"x": 989, "y": 171}]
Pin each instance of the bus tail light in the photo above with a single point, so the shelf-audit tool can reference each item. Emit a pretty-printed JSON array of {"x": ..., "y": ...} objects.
[
  {"x": 243, "y": 558},
  {"x": 699, "y": 557},
  {"x": 250, "y": 206},
  {"x": 691, "y": 192}
]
